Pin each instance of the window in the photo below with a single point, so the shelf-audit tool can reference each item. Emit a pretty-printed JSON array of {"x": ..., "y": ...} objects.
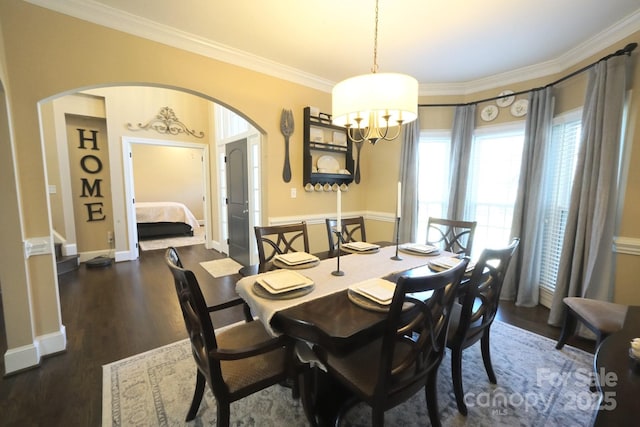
[
  {"x": 494, "y": 172},
  {"x": 433, "y": 178},
  {"x": 565, "y": 140}
]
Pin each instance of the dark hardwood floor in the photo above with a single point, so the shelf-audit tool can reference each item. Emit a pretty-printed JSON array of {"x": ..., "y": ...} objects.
[{"x": 130, "y": 307}]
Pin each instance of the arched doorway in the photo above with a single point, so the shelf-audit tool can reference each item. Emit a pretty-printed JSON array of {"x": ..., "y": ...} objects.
[{"x": 123, "y": 108}]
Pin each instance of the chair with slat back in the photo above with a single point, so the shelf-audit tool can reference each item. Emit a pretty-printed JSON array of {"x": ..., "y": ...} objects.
[
  {"x": 234, "y": 362},
  {"x": 405, "y": 360},
  {"x": 352, "y": 231},
  {"x": 280, "y": 239},
  {"x": 474, "y": 312},
  {"x": 452, "y": 236}
]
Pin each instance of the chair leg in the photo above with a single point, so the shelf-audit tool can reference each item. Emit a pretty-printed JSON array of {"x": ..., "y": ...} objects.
[
  {"x": 308, "y": 385},
  {"x": 486, "y": 356},
  {"x": 568, "y": 328},
  {"x": 224, "y": 414},
  {"x": 456, "y": 374},
  {"x": 377, "y": 417},
  {"x": 431, "y": 392},
  {"x": 201, "y": 382}
]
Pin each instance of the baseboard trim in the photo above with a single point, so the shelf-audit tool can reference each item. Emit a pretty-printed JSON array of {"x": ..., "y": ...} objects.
[
  {"x": 21, "y": 358},
  {"x": 28, "y": 356},
  {"x": 53, "y": 343}
]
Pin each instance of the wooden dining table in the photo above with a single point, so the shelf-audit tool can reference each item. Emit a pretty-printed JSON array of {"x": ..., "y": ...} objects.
[
  {"x": 618, "y": 376},
  {"x": 327, "y": 317}
]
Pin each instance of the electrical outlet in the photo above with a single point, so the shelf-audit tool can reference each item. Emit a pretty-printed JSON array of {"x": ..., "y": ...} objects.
[
  {"x": 294, "y": 193},
  {"x": 110, "y": 237}
]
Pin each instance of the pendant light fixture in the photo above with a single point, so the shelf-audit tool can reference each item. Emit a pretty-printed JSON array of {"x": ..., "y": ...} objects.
[{"x": 370, "y": 104}]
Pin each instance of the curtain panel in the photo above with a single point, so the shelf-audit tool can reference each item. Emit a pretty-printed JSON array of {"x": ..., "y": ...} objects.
[
  {"x": 409, "y": 179},
  {"x": 586, "y": 261},
  {"x": 522, "y": 280},
  {"x": 461, "y": 140}
]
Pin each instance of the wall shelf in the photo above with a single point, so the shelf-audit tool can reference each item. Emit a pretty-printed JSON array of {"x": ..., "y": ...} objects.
[{"x": 323, "y": 138}]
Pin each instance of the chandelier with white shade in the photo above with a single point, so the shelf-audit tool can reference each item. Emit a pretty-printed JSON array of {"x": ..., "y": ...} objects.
[{"x": 370, "y": 105}]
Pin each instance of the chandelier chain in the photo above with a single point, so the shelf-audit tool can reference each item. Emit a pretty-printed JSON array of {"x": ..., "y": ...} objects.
[{"x": 374, "y": 69}]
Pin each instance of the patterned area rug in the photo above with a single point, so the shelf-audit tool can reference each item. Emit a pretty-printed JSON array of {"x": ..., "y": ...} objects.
[
  {"x": 537, "y": 386},
  {"x": 152, "y": 245},
  {"x": 221, "y": 267}
]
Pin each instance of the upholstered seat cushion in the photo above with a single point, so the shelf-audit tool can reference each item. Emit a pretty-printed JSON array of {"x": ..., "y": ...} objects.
[
  {"x": 251, "y": 370},
  {"x": 607, "y": 317},
  {"x": 360, "y": 367}
]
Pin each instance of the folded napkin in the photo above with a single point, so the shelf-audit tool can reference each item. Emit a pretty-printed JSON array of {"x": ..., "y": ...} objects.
[
  {"x": 296, "y": 258},
  {"x": 446, "y": 263},
  {"x": 419, "y": 247},
  {"x": 378, "y": 290},
  {"x": 361, "y": 246}
]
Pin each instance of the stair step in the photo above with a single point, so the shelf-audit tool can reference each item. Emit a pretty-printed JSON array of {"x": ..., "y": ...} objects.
[{"x": 65, "y": 264}]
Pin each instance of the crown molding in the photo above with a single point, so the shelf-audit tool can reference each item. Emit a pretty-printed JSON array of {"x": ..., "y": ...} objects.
[
  {"x": 598, "y": 43},
  {"x": 91, "y": 11},
  {"x": 100, "y": 14}
]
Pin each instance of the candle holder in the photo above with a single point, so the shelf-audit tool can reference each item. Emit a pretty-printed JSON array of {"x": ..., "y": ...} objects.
[
  {"x": 397, "y": 257},
  {"x": 338, "y": 272}
]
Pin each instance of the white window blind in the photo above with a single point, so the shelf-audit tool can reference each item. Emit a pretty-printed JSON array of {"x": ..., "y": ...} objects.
[
  {"x": 565, "y": 141},
  {"x": 433, "y": 179}
]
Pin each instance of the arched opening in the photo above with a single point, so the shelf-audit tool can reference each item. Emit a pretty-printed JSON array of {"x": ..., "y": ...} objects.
[{"x": 130, "y": 114}]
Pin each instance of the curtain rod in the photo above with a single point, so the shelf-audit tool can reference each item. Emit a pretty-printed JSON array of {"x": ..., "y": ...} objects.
[{"x": 624, "y": 51}]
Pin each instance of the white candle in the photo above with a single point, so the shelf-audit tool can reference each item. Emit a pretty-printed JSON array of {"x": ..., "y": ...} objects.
[
  {"x": 398, "y": 207},
  {"x": 339, "y": 221}
]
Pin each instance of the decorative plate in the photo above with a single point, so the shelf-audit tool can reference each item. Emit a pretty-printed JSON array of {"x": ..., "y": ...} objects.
[
  {"x": 506, "y": 101},
  {"x": 328, "y": 164},
  {"x": 489, "y": 113},
  {"x": 520, "y": 107}
]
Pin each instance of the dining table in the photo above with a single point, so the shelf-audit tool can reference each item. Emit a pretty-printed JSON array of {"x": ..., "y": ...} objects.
[
  {"x": 327, "y": 316},
  {"x": 617, "y": 375}
]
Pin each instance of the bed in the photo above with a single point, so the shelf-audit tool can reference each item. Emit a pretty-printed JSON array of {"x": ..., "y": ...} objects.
[{"x": 164, "y": 219}]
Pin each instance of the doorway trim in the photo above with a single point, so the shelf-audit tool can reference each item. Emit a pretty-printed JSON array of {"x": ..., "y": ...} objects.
[{"x": 129, "y": 192}]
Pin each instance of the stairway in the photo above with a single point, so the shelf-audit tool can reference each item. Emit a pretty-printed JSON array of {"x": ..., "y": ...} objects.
[{"x": 65, "y": 264}]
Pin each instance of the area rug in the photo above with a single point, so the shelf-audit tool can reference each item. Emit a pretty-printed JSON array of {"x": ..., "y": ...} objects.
[
  {"x": 155, "y": 244},
  {"x": 221, "y": 267},
  {"x": 537, "y": 386}
]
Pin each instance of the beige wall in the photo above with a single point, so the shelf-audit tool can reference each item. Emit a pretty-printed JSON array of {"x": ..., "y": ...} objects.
[
  {"x": 47, "y": 54},
  {"x": 169, "y": 174}
]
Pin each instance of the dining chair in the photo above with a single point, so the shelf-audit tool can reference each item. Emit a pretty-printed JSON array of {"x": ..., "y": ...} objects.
[
  {"x": 234, "y": 361},
  {"x": 352, "y": 231},
  {"x": 405, "y": 359},
  {"x": 474, "y": 312},
  {"x": 601, "y": 317},
  {"x": 280, "y": 239},
  {"x": 450, "y": 235}
]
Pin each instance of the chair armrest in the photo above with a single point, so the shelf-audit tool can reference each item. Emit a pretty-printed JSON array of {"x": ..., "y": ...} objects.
[
  {"x": 226, "y": 304},
  {"x": 254, "y": 350}
]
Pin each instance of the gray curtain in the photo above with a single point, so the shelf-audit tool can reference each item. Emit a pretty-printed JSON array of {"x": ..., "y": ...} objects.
[
  {"x": 522, "y": 280},
  {"x": 409, "y": 178},
  {"x": 461, "y": 138},
  {"x": 586, "y": 261}
]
